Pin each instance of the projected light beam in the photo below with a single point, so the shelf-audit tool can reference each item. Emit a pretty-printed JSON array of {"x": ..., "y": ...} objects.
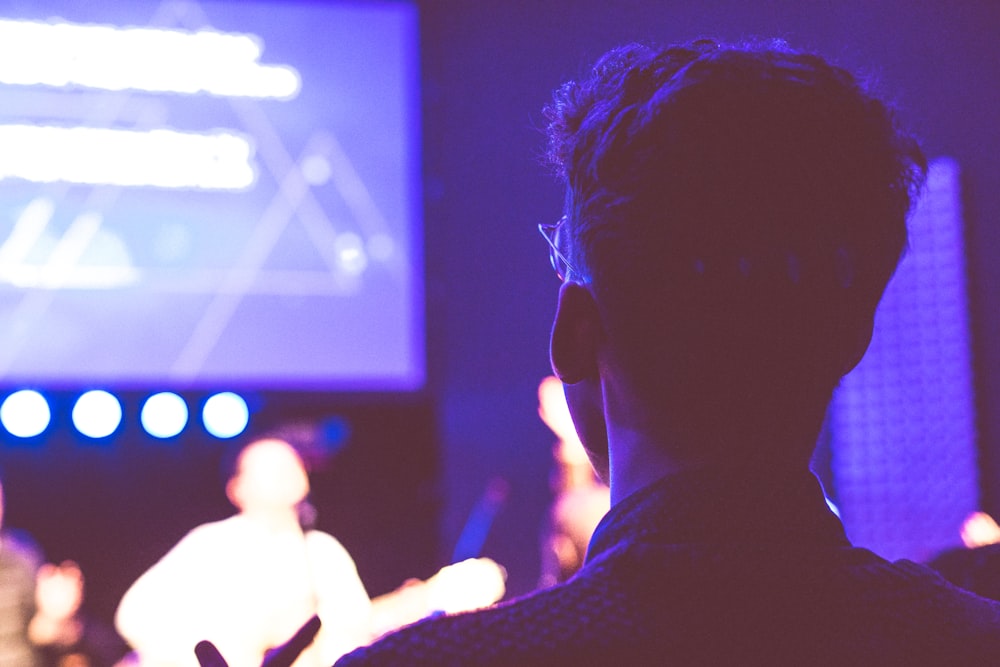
[
  {"x": 148, "y": 59},
  {"x": 129, "y": 158}
]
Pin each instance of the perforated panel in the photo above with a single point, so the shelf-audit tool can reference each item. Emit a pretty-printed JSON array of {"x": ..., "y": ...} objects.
[{"x": 902, "y": 424}]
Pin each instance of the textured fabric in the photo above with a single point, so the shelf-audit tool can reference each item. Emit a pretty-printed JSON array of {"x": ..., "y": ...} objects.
[
  {"x": 718, "y": 568},
  {"x": 976, "y": 569},
  {"x": 246, "y": 588}
]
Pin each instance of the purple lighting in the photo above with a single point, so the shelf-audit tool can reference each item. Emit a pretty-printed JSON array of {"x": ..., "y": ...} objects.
[{"x": 903, "y": 432}]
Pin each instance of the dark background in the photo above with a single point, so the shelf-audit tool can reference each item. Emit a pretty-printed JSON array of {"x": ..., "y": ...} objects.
[{"x": 413, "y": 468}]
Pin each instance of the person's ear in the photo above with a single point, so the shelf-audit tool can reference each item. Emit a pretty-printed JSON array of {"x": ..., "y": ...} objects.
[{"x": 576, "y": 335}]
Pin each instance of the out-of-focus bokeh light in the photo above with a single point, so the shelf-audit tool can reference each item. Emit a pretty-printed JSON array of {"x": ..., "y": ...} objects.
[
  {"x": 97, "y": 414},
  {"x": 979, "y": 530},
  {"x": 316, "y": 170},
  {"x": 164, "y": 415},
  {"x": 225, "y": 415},
  {"x": 25, "y": 413},
  {"x": 350, "y": 253}
]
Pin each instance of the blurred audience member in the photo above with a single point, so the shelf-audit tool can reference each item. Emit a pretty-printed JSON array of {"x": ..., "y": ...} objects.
[
  {"x": 41, "y": 623},
  {"x": 581, "y": 499},
  {"x": 20, "y": 559}
]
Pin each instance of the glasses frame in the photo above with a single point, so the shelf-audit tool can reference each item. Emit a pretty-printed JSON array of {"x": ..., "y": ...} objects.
[{"x": 561, "y": 265}]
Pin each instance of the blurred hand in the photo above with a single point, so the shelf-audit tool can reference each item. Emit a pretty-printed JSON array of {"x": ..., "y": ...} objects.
[
  {"x": 470, "y": 584},
  {"x": 283, "y": 656},
  {"x": 58, "y": 596},
  {"x": 979, "y": 530},
  {"x": 59, "y": 590}
]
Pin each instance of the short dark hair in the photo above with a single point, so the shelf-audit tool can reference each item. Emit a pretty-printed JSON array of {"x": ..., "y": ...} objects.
[{"x": 754, "y": 194}]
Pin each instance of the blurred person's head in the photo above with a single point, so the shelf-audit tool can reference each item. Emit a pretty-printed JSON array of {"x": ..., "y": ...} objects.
[
  {"x": 268, "y": 476},
  {"x": 733, "y": 214}
]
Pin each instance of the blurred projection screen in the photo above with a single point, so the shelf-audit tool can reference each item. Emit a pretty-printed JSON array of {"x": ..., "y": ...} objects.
[{"x": 204, "y": 193}]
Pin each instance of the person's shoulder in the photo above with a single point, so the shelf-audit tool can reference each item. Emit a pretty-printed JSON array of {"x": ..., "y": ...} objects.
[
  {"x": 459, "y": 639},
  {"x": 962, "y": 625},
  {"x": 926, "y": 607},
  {"x": 544, "y": 627},
  {"x": 934, "y": 581},
  {"x": 214, "y": 527},
  {"x": 206, "y": 535},
  {"x": 325, "y": 543},
  {"x": 20, "y": 547},
  {"x": 930, "y": 584}
]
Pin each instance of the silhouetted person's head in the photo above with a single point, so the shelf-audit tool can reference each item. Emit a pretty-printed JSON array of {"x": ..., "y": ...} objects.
[{"x": 734, "y": 213}]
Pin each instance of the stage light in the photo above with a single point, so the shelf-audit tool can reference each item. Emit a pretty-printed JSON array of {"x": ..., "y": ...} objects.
[
  {"x": 25, "y": 413},
  {"x": 96, "y": 414},
  {"x": 336, "y": 431},
  {"x": 164, "y": 415},
  {"x": 225, "y": 415}
]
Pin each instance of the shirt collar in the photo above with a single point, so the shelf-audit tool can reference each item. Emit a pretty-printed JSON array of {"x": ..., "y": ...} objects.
[{"x": 723, "y": 506}]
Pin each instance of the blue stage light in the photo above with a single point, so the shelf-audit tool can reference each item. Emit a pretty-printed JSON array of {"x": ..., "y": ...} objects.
[
  {"x": 164, "y": 415},
  {"x": 225, "y": 415},
  {"x": 97, "y": 414},
  {"x": 25, "y": 413}
]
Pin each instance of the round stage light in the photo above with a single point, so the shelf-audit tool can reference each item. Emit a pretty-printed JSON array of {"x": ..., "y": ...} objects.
[
  {"x": 25, "y": 413},
  {"x": 225, "y": 415},
  {"x": 164, "y": 415},
  {"x": 96, "y": 414}
]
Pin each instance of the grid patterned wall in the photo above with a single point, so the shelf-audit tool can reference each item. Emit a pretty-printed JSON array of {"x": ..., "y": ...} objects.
[{"x": 902, "y": 424}]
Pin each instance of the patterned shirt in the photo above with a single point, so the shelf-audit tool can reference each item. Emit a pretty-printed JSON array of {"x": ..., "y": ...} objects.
[{"x": 717, "y": 568}]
